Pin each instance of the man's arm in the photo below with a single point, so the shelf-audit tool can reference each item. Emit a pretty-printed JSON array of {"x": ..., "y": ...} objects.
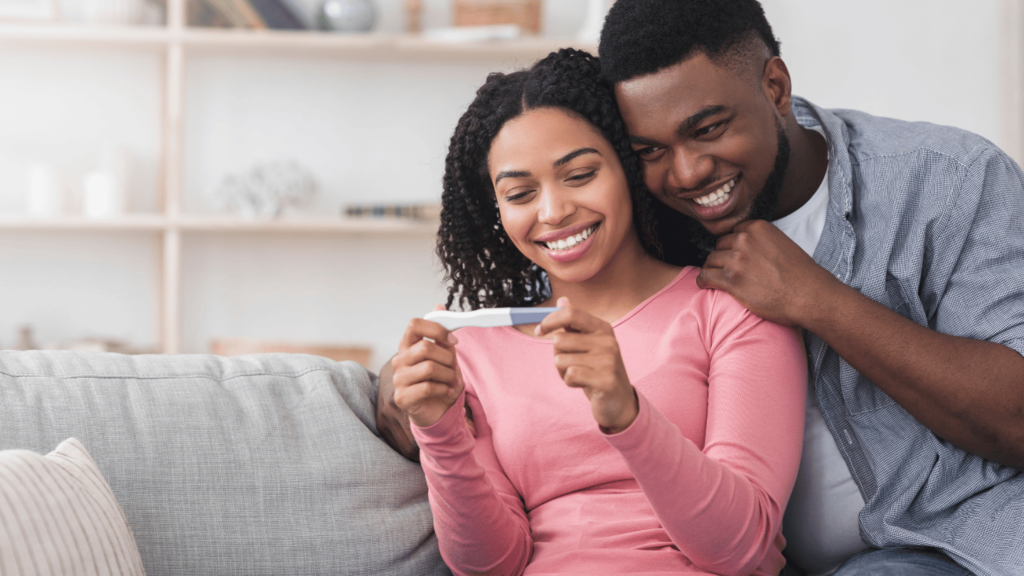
[
  {"x": 923, "y": 370},
  {"x": 392, "y": 423}
]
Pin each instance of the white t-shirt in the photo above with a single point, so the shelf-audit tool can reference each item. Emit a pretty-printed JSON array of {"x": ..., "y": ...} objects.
[{"x": 820, "y": 525}]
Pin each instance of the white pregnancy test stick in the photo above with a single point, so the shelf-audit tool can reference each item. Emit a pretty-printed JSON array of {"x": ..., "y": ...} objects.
[{"x": 489, "y": 317}]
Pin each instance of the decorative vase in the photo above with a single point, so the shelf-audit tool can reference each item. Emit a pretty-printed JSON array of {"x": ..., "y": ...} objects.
[
  {"x": 346, "y": 15},
  {"x": 590, "y": 31}
]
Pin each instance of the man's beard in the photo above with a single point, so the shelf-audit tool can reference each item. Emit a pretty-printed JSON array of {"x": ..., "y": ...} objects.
[{"x": 764, "y": 203}]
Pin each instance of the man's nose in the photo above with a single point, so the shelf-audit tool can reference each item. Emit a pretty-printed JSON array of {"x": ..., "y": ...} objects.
[
  {"x": 555, "y": 206},
  {"x": 691, "y": 170}
]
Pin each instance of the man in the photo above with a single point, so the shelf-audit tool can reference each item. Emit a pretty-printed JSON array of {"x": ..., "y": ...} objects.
[{"x": 913, "y": 301}]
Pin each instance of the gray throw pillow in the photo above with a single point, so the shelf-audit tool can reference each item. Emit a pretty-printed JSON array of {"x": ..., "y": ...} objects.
[{"x": 265, "y": 464}]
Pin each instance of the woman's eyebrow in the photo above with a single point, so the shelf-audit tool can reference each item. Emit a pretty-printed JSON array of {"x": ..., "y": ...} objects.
[
  {"x": 575, "y": 153},
  {"x": 511, "y": 174},
  {"x": 560, "y": 162}
]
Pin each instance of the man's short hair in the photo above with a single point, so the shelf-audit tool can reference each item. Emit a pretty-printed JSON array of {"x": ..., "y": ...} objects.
[{"x": 641, "y": 37}]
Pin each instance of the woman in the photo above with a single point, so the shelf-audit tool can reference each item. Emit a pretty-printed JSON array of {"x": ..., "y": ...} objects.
[{"x": 646, "y": 427}]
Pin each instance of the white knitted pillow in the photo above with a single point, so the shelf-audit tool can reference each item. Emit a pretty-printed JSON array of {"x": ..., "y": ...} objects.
[{"x": 58, "y": 516}]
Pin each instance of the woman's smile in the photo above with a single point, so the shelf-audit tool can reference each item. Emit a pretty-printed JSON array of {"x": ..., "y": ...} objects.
[{"x": 569, "y": 247}]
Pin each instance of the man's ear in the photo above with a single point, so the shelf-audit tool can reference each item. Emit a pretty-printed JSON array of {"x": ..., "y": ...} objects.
[{"x": 777, "y": 85}]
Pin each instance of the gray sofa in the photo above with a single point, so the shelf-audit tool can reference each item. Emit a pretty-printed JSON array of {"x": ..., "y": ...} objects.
[{"x": 265, "y": 464}]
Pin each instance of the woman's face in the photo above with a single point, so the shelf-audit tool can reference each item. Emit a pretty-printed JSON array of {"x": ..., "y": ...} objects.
[{"x": 561, "y": 192}]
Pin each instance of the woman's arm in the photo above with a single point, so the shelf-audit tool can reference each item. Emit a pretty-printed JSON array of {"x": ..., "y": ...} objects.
[
  {"x": 479, "y": 518},
  {"x": 723, "y": 505}
]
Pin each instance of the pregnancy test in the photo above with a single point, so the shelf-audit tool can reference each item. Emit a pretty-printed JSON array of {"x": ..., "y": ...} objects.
[{"x": 489, "y": 317}]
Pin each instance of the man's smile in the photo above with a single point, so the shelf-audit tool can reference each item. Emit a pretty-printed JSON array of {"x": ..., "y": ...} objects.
[{"x": 717, "y": 197}]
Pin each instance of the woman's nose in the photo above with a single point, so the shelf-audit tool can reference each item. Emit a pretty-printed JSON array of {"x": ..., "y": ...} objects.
[{"x": 555, "y": 207}]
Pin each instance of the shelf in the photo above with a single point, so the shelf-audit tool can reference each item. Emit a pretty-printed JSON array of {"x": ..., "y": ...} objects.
[
  {"x": 366, "y": 45},
  {"x": 306, "y": 225},
  {"x": 153, "y": 37},
  {"x": 71, "y": 223},
  {"x": 276, "y": 41},
  {"x": 339, "y": 226}
]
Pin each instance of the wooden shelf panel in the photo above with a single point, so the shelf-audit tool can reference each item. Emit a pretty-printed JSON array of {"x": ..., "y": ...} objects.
[
  {"x": 154, "y": 223},
  {"x": 218, "y": 40},
  {"x": 307, "y": 225},
  {"x": 365, "y": 45},
  {"x": 126, "y": 223},
  {"x": 152, "y": 37}
]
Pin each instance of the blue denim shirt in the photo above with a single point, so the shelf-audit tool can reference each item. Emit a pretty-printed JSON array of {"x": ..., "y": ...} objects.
[{"x": 929, "y": 221}]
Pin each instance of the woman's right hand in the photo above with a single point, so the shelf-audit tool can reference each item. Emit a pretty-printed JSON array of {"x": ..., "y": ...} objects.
[{"x": 426, "y": 375}]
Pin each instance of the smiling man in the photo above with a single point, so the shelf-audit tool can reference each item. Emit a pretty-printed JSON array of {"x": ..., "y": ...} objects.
[{"x": 898, "y": 247}]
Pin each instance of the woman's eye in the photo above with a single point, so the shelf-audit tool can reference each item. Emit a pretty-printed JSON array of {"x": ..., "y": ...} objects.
[
  {"x": 582, "y": 177},
  {"x": 517, "y": 196}
]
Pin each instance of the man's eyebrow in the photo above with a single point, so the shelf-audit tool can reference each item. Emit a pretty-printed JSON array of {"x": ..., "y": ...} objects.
[
  {"x": 684, "y": 126},
  {"x": 641, "y": 141},
  {"x": 691, "y": 122},
  {"x": 511, "y": 174},
  {"x": 575, "y": 153}
]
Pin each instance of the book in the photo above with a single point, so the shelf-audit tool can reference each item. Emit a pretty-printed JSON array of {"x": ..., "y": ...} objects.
[
  {"x": 230, "y": 11},
  {"x": 280, "y": 14},
  {"x": 409, "y": 211},
  {"x": 204, "y": 13},
  {"x": 251, "y": 16}
]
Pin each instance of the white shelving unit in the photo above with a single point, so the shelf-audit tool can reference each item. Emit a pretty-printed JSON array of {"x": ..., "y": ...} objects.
[{"x": 175, "y": 43}]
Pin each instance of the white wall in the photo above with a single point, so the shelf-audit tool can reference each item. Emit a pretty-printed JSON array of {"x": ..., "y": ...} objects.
[
  {"x": 933, "y": 60},
  {"x": 369, "y": 131}
]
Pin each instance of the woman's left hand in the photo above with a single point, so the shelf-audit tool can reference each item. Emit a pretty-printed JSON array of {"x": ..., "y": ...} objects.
[{"x": 587, "y": 357}]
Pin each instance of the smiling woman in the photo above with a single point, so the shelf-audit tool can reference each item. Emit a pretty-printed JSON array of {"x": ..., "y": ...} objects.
[
  {"x": 565, "y": 200},
  {"x": 624, "y": 433}
]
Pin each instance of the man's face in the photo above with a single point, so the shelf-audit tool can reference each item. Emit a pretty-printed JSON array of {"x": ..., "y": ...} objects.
[{"x": 712, "y": 144}]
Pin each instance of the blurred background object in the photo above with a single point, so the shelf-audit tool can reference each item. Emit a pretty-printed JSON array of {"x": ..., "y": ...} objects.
[
  {"x": 266, "y": 190},
  {"x": 113, "y": 12},
  {"x": 590, "y": 31},
  {"x": 29, "y": 10},
  {"x": 105, "y": 188},
  {"x": 523, "y": 13},
  {"x": 346, "y": 15},
  {"x": 414, "y": 16},
  {"x": 45, "y": 190}
]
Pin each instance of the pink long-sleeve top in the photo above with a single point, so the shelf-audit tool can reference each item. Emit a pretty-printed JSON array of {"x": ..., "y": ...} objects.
[{"x": 697, "y": 484}]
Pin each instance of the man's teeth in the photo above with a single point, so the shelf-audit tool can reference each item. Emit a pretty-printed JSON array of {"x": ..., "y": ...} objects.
[
  {"x": 566, "y": 243},
  {"x": 717, "y": 197}
]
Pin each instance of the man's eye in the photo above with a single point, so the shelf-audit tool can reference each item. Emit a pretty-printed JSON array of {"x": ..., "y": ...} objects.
[
  {"x": 708, "y": 129},
  {"x": 649, "y": 152}
]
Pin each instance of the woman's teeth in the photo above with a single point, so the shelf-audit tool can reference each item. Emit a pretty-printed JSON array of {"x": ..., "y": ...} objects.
[
  {"x": 718, "y": 197},
  {"x": 566, "y": 243}
]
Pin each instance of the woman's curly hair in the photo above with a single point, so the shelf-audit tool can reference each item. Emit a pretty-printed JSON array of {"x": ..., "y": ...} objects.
[{"x": 483, "y": 268}]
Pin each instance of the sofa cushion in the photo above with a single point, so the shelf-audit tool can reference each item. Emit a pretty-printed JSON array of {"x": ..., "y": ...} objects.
[
  {"x": 265, "y": 464},
  {"x": 58, "y": 517}
]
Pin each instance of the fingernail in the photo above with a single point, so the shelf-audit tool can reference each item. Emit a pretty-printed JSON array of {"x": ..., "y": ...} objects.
[{"x": 452, "y": 339}]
